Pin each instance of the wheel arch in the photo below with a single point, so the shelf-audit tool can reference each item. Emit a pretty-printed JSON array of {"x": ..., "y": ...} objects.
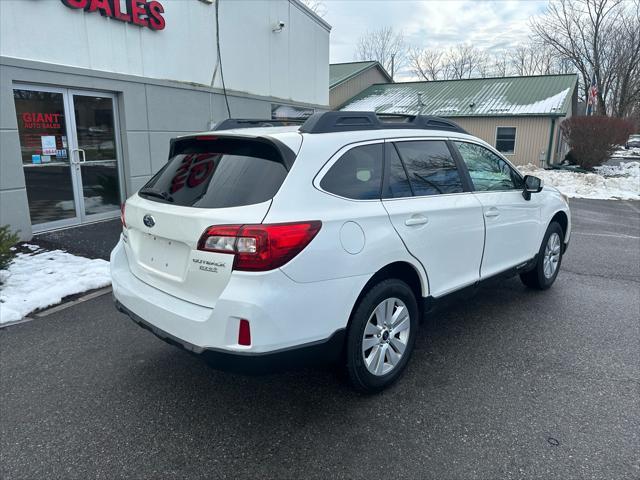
[
  {"x": 563, "y": 220},
  {"x": 401, "y": 270}
]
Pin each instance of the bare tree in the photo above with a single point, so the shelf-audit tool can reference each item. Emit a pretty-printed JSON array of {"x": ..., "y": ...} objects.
[
  {"x": 536, "y": 58},
  {"x": 499, "y": 64},
  {"x": 464, "y": 61},
  {"x": 461, "y": 61},
  {"x": 600, "y": 38},
  {"x": 427, "y": 64},
  {"x": 625, "y": 86},
  {"x": 484, "y": 65},
  {"x": 384, "y": 45}
]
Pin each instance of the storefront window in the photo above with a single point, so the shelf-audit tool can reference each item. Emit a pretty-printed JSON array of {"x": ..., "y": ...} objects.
[{"x": 45, "y": 155}]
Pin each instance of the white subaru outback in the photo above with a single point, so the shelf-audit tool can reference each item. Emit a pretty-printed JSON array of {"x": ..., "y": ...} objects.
[{"x": 263, "y": 248}]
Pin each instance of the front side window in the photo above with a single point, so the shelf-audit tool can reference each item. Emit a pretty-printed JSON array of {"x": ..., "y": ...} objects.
[
  {"x": 506, "y": 140},
  {"x": 488, "y": 171},
  {"x": 357, "y": 174},
  {"x": 430, "y": 166}
]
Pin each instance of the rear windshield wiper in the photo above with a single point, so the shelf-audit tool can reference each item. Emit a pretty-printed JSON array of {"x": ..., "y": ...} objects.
[{"x": 152, "y": 192}]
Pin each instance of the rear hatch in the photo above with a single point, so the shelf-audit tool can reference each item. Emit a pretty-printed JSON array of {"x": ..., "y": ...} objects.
[{"x": 208, "y": 180}]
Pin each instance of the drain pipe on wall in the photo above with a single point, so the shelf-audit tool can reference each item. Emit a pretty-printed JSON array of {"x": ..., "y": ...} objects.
[{"x": 550, "y": 146}]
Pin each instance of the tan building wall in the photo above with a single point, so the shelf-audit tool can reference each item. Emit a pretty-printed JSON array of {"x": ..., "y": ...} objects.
[
  {"x": 532, "y": 136},
  {"x": 349, "y": 89}
]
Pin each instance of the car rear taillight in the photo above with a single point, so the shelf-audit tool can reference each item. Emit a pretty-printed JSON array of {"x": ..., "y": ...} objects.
[
  {"x": 259, "y": 247},
  {"x": 122, "y": 220}
]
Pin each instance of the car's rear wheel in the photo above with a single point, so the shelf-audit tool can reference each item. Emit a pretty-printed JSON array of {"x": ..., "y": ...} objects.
[
  {"x": 381, "y": 335},
  {"x": 549, "y": 259}
]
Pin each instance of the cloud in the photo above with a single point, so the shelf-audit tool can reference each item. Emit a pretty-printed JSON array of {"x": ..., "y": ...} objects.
[{"x": 490, "y": 25}]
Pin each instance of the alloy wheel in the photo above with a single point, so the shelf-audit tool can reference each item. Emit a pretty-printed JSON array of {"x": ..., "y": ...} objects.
[
  {"x": 385, "y": 336},
  {"x": 551, "y": 255}
]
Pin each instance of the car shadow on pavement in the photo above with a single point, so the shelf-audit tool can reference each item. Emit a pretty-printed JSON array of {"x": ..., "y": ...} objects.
[{"x": 171, "y": 373}]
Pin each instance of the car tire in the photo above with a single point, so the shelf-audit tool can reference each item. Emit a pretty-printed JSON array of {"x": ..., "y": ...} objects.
[
  {"x": 548, "y": 262},
  {"x": 380, "y": 337}
]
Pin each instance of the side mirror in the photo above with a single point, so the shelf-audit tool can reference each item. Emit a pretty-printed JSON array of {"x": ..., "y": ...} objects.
[{"x": 531, "y": 185}]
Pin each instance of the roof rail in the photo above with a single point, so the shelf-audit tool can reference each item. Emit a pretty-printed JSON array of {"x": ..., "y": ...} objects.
[
  {"x": 231, "y": 123},
  {"x": 329, "y": 122}
]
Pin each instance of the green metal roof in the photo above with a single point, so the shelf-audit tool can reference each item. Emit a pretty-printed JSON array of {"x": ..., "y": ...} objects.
[
  {"x": 341, "y": 72},
  {"x": 546, "y": 95}
]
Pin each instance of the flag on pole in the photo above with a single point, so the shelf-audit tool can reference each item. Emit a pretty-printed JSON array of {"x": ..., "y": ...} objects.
[{"x": 592, "y": 96}]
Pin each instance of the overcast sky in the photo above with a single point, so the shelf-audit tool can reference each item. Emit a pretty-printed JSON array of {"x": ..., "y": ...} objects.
[{"x": 490, "y": 24}]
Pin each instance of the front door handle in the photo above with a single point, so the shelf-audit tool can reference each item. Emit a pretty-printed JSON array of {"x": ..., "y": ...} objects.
[
  {"x": 72, "y": 157},
  {"x": 82, "y": 156},
  {"x": 416, "y": 220},
  {"x": 492, "y": 212}
]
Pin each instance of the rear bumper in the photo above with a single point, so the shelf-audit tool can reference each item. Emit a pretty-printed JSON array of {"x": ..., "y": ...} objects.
[
  {"x": 314, "y": 353},
  {"x": 291, "y": 323}
]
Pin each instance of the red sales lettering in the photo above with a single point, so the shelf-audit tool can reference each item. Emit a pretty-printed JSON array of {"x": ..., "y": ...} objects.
[{"x": 139, "y": 12}]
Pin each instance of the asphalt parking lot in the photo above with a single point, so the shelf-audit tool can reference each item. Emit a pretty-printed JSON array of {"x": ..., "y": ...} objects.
[{"x": 510, "y": 383}]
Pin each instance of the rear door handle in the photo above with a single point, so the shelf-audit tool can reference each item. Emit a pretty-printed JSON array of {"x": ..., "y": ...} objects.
[
  {"x": 492, "y": 212},
  {"x": 416, "y": 220}
]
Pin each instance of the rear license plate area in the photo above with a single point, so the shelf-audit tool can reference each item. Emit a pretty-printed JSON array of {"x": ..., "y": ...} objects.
[{"x": 163, "y": 255}]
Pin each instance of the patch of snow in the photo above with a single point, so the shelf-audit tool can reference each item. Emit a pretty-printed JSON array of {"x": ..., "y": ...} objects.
[
  {"x": 620, "y": 182},
  {"x": 551, "y": 104},
  {"x": 624, "y": 153},
  {"x": 42, "y": 279},
  {"x": 624, "y": 169},
  {"x": 492, "y": 98}
]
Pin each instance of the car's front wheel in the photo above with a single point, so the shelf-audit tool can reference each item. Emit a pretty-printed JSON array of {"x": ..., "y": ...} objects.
[
  {"x": 548, "y": 262},
  {"x": 381, "y": 335}
]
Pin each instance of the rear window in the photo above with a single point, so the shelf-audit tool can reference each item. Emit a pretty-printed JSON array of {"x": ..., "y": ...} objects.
[{"x": 218, "y": 173}]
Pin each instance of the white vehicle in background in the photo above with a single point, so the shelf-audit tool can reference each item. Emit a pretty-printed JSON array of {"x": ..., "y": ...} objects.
[
  {"x": 633, "y": 142},
  {"x": 260, "y": 248}
]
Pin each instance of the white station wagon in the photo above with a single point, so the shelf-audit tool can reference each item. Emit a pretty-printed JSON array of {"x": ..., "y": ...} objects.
[{"x": 263, "y": 248}]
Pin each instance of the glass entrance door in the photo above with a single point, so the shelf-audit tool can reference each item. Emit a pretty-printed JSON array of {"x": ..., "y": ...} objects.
[
  {"x": 95, "y": 155},
  {"x": 69, "y": 154},
  {"x": 44, "y": 144}
]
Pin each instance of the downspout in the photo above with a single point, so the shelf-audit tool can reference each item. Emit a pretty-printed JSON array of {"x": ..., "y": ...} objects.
[{"x": 550, "y": 146}]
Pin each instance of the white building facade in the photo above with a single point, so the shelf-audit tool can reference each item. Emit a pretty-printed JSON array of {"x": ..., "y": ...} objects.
[{"x": 91, "y": 91}]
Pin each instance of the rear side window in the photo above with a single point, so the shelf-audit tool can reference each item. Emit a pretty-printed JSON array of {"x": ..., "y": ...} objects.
[
  {"x": 218, "y": 173},
  {"x": 357, "y": 174},
  {"x": 430, "y": 166},
  {"x": 397, "y": 184}
]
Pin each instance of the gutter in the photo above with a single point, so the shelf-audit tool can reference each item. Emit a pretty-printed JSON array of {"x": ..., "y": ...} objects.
[
  {"x": 366, "y": 69},
  {"x": 550, "y": 146}
]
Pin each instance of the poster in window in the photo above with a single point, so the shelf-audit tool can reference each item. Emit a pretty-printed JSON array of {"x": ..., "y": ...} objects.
[{"x": 48, "y": 144}]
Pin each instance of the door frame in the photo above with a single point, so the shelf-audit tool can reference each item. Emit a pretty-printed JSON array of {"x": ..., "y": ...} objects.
[
  {"x": 72, "y": 147},
  {"x": 66, "y": 222},
  {"x": 117, "y": 148}
]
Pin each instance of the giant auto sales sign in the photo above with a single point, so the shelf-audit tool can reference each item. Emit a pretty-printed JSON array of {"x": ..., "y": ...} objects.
[{"x": 138, "y": 12}]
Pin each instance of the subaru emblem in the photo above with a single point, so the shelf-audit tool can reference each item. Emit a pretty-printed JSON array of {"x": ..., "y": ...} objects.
[{"x": 148, "y": 220}]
